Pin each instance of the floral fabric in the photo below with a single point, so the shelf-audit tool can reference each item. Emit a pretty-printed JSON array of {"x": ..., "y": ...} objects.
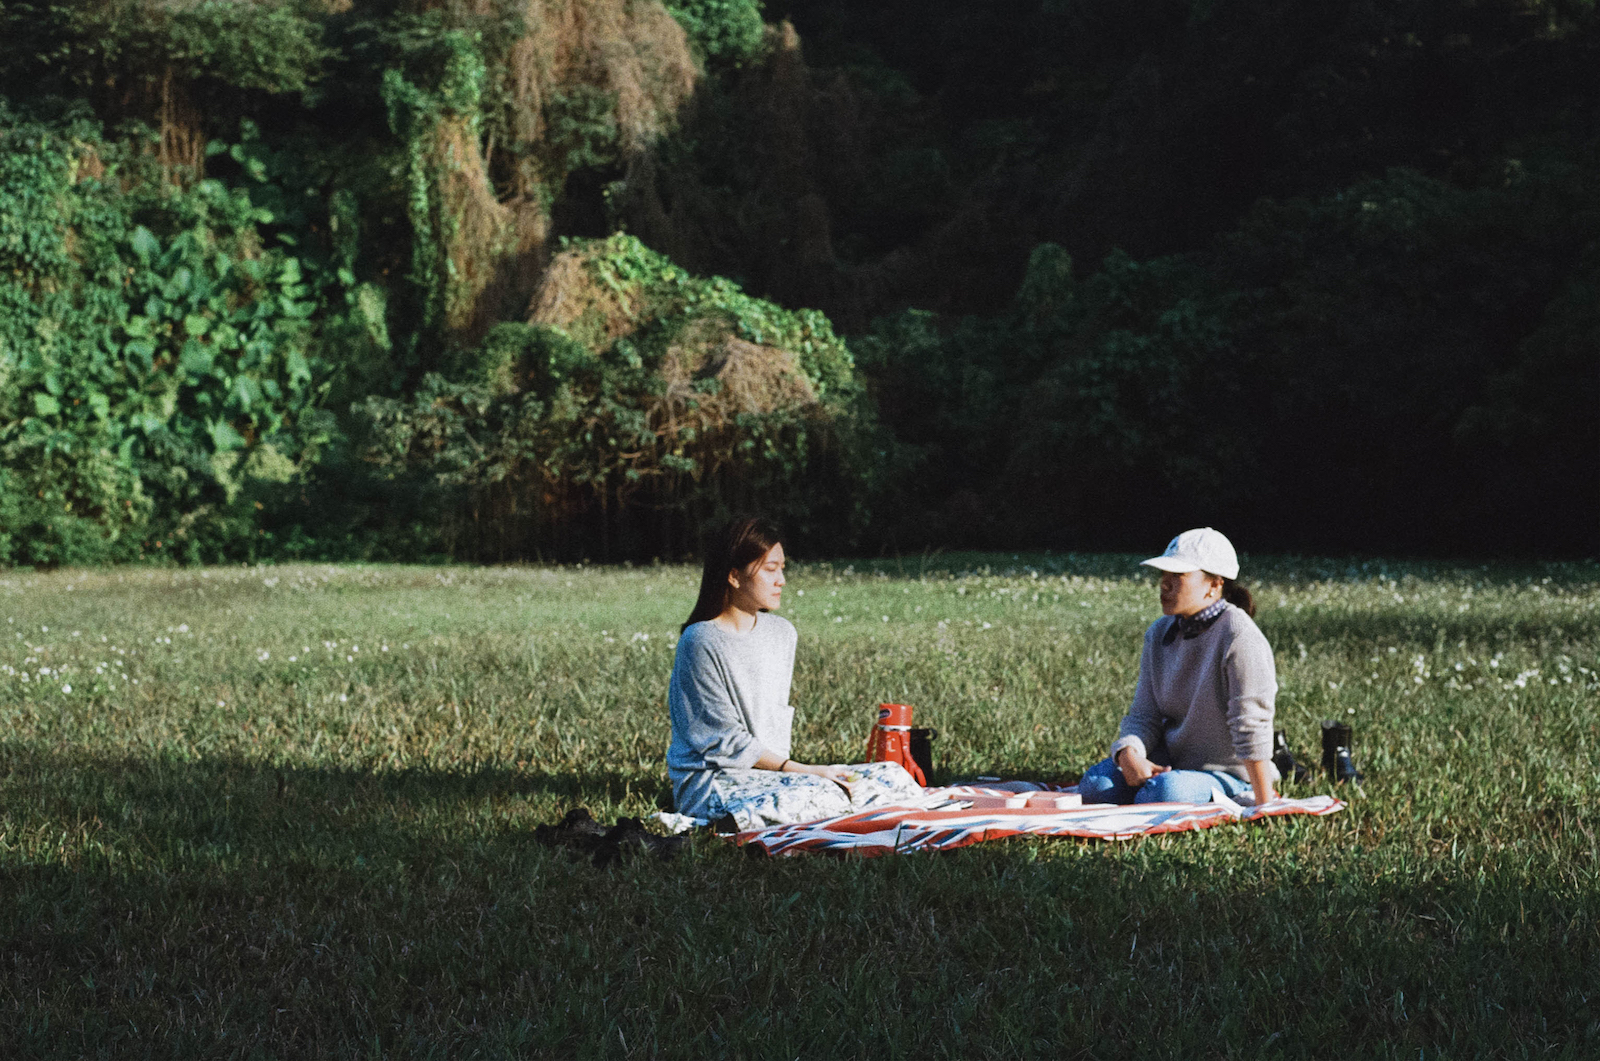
[{"x": 756, "y": 799}]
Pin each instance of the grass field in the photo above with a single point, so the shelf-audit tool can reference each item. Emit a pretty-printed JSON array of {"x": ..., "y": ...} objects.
[{"x": 286, "y": 812}]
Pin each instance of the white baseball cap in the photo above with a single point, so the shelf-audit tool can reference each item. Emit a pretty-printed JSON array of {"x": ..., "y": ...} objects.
[{"x": 1201, "y": 549}]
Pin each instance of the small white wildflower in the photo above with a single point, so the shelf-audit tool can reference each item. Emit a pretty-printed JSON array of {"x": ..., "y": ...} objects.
[
  {"x": 183, "y": 628},
  {"x": 343, "y": 698},
  {"x": 66, "y": 688}
]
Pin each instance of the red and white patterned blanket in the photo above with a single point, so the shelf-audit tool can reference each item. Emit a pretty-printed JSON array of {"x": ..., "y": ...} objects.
[{"x": 969, "y": 814}]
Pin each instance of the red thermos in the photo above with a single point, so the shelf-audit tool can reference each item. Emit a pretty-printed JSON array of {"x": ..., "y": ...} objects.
[{"x": 890, "y": 740}]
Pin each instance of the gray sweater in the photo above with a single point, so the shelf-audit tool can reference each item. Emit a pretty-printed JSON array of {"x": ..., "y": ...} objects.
[
  {"x": 1208, "y": 699},
  {"x": 729, "y": 702}
]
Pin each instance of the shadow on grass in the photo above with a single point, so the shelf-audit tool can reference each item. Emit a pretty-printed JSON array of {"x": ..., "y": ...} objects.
[
  {"x": 164, "y": 802},
  {"x": 220, "y": 908}
]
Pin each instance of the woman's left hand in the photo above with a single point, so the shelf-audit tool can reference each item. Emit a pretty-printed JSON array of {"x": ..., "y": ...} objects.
[{"x": 836, "y": 774}]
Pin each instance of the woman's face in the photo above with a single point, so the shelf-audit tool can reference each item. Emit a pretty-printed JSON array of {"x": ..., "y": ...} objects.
[
  {"x": 759, "y": 587},
  {"x": 1189, "y": 592}
]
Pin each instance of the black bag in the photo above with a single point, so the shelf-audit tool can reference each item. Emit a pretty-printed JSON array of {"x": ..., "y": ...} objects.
[{"x": 922, "y": 750}]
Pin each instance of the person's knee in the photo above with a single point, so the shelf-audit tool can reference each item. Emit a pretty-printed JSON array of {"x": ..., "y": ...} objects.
[
  {"x": 1176, "y": 786},
  {"x": 1103, "y": 783}
]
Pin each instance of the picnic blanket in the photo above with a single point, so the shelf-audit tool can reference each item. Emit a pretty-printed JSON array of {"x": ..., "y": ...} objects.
[{"x": 959, "y": 815}]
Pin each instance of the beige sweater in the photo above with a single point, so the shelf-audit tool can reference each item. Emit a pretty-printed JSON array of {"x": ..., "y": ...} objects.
[{"x": 1206, "y": 700}]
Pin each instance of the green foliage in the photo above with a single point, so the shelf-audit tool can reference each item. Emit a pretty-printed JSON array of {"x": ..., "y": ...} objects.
[
  {"x": 724, "y": 31},
  {"x": 272, "y": 47},
  {"x": 1319, "y": 374},
  {"x": 618, "y": 408},
  {"x": 1392, "y": 347},
  {"x": 414, "y": 114},
  {"x": 157, "y": 359},
  {"x": 581, "y": 129}
]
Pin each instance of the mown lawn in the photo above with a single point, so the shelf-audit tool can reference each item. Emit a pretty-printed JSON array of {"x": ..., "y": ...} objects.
[{"x": 287, "y": 812}]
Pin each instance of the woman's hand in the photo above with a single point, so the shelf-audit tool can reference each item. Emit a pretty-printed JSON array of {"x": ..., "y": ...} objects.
[
  {"x": 1136, "y": 769},
  {"x": 1260, "y": 781},
  {"x": 836, "y": 774}
]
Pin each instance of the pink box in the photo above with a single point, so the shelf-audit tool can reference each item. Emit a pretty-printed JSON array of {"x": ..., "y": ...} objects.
[
  {"x": 1039, "y": 801},
  {"x": 1054, "y": 800}
]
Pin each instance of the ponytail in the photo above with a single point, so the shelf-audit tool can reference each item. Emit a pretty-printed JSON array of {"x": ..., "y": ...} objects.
[{"x": 1235, "y": 594}]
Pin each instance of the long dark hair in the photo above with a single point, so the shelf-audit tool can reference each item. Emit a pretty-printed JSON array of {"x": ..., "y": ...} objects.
[
  {"x": 733, "y": 546},
  {"x": 1235, "y": 594}
]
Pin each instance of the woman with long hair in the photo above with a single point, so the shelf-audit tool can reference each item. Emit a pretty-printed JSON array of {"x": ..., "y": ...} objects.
[
  {"x": 1201, "y": 720},
  {"x": 729, "y": 700}
]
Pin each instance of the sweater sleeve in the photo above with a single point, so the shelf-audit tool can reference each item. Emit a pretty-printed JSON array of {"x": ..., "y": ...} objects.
[
  {"x": 1142, "y": 727},
  {"x": 1252, "y": 692},
  {"x": 703, "y": 711}
]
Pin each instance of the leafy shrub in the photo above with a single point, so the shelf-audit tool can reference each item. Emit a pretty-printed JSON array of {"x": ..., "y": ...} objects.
[
  {"x": 725, "y": 31},
  {"x": 636, "y": 396},
  {"x": 1324, "y": 374},
  {"x": 155, "y": 357},
  {"x": 264, "y": 47}
]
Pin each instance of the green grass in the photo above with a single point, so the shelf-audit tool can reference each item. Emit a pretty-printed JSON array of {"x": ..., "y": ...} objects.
[{"x": 287, "y": 811}]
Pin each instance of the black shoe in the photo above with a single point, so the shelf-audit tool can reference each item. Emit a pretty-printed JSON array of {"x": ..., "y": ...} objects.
[
  {"x": 1336, "y": 740},
  {"x": 630, "y": 836},
  {"x": 1288, "y": 767},
  {"x": 583, "y": 836},
  {"x": 578, "y": 827}
]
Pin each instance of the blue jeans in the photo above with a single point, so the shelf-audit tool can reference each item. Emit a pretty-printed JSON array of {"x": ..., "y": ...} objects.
[{"x": 1103, "y": 783}]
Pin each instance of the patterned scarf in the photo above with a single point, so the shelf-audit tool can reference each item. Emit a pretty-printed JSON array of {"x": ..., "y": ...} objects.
[{"x": 1192, "y": 626}]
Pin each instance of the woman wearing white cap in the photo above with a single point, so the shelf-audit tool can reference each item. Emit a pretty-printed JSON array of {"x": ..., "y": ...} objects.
[{"x": 1201, "y": 719}]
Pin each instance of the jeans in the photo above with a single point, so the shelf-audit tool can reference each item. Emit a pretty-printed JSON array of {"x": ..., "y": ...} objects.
[{"x": 1103, "y": 783}]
